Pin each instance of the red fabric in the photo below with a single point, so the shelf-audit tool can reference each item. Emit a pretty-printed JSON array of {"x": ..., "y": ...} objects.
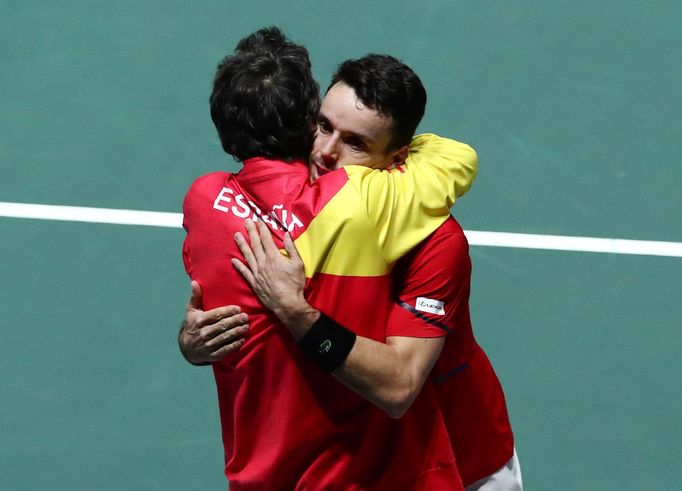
[
  {"x": 469, "y": 393},
  {"x": 286, "y": 425}
]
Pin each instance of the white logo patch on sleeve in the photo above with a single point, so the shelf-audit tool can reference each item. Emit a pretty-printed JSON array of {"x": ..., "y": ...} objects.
[{"x": 429, "y": 305}]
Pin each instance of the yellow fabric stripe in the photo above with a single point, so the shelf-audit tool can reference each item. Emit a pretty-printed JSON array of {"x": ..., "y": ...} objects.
[{"x": 341, "y": 240}]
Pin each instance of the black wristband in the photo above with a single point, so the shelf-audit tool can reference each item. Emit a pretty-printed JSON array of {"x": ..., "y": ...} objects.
[{"x": 328, "y": 343}]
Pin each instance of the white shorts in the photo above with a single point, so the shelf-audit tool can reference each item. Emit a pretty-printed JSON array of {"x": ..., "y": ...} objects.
[{"x": 506, "y": 478}]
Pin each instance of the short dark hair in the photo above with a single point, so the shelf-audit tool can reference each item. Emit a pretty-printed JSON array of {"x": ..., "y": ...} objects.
[
  {"x": 388, "y": 86},
  {"x": 264, "y": 100}
]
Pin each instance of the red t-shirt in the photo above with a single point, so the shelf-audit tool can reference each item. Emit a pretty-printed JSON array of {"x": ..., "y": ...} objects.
[
  {"x": 287, "y": 425},
  {"x": 432, "y": 284}
]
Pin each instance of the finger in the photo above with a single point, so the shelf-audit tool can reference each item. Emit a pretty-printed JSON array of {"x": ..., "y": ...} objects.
[
  {"x": 290, "y": 247},
  {"x": 243, "y": 270},
  {"x": 227, "y": 349},
  {"x": 246, "y": 251},
  {"x": 269, "y": 246},
  {"x": 227, "y": 337},
  {"x": 211, "y": 331},
  {"x": 195, "y": 301},
  {"x": 254, "y": 238},
  {"x": 216, "y": 315}
]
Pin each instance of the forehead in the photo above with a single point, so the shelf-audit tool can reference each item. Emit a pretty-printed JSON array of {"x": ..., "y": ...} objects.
[{"x": 347, "y": 113}]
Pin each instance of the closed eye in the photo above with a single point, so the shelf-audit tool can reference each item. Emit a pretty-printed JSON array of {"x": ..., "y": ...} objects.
[{"x": 356, "y": 144}]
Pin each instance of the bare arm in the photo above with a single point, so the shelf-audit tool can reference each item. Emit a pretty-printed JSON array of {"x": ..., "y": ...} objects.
[
  {"x": 390, "y": 375},
  {"x": 206, "y": 337}
]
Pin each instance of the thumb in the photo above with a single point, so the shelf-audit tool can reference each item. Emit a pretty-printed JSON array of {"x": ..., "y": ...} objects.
[{"x": 195, "y": 301}]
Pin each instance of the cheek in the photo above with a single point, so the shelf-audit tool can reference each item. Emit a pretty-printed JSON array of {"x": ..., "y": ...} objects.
[
  {"x": 356, "y": 158},
  {"x": 346, "y": 157},
  {"x": 372, "y": 158},
  {"x": 319, "y": 138},
  {"x": 317, "y": 143}
]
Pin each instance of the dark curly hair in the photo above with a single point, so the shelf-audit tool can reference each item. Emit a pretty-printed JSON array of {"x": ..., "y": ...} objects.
[
  {"x": 387, "y": 85},
  {"x": 264, "y": 100}
]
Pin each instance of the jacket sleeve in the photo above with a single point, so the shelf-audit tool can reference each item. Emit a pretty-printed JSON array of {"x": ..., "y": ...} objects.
[{"x": 405, "y": 205}]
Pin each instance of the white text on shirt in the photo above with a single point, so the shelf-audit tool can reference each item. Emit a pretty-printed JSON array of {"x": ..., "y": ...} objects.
[{"x": 277, "y": 219}]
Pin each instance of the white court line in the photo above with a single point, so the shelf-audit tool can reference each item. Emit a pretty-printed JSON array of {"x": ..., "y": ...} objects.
[
  {"x": 577, "y": 244},
  {"x": 476, "y": 238},
  {"x": 92, "y": 215}
]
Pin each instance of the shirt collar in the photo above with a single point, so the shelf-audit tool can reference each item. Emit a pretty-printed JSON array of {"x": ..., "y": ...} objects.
[{"x": 262, "y": 166}]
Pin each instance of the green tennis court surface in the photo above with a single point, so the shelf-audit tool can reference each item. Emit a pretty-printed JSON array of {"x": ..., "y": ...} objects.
[{"x": 575, "y": 111}]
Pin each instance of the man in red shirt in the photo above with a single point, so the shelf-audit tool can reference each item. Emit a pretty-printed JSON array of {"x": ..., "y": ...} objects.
[
  {"x": 431, "y": 288},
  {"x": 287, "y": 424}
]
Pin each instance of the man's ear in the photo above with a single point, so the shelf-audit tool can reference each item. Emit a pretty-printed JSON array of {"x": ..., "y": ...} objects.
[{"x": 398, "y": 156}]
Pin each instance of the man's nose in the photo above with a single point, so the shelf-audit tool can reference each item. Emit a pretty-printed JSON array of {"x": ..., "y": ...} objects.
[{"x": 329, "y": 151}]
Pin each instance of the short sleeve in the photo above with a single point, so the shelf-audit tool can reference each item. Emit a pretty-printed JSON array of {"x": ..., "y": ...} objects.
[{"x": 431, "y": 285}]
